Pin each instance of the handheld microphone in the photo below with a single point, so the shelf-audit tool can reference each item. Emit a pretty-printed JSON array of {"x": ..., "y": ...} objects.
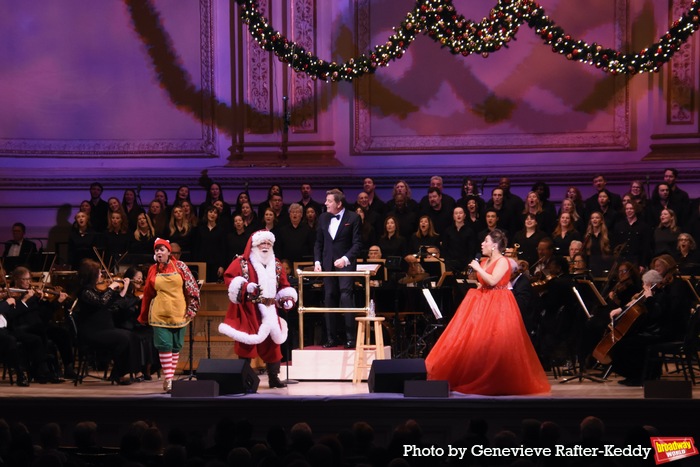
[{"x": 471, "y": 269}]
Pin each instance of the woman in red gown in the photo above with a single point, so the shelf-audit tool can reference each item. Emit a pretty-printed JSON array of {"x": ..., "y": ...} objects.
[{"x": 485, "y": 349}]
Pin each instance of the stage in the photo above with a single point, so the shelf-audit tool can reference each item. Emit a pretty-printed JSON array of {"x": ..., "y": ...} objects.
[{"x": 331, "y": 407}]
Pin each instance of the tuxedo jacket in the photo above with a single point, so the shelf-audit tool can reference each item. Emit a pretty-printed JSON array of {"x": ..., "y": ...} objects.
[
  {"x": 28, "y": 247},
  {"x": 347, "y": 241}
]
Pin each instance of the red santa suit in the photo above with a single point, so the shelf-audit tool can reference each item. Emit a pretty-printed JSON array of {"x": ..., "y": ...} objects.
[{"x": 251, "y": 319}]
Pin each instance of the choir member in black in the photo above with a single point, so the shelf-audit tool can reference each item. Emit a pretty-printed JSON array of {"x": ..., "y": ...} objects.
[
  {"x": 221, "y": 221},
  {"x": 568, "y": 205},
  {"x": 144, "y": 236},
  {"x": 307, "y": 201},
  {"x": 250, "y": 219},
  {"x": 564, "y": 234},
  {"x": 401, "y": 187},
  {"x": 610, "y": 215},
  {"x": 367, "y": 232},
  {"x": 375, "y": 204},
  {"x": 597, "y": 245},
  {"x": 507, "y": 218},
  {"x": 214, "y": 193},
  {"x": 118, "y": 239},
  {"x": 209, "y": 245},
  {"x": 543, "y": 193},
  {"x": 159, "y": 219},
  {"x": 295, "y": 240},
  {"x": 593, "y": 202},
  {"x": 425, "y": 237},
  {"x": 491, "y": 223},
  {"x": 474, "y": 216},
  {"x": 528, "y": 238},
  {"x": 391, "y": 242},
  {"x": 513, "y": 201},
  {"x": 180, "y": 231},
  {"x": 311, "y": 218},
  {"x": 458, "y": 242},
  {"x": 687, "y": 255},
  {"x": 11, "y": 353},
  {"x": 406, "y": 216},
  {"x": 633, "y": 236},
  {"x": 667, "y": 312},
  {"x": 243, "y": 197},
  {"x": 188, "y": 211},
  {"x": 274, "y": 189},
  {"x": 237, "y": 239},
  {"x": 269, "y": 221},
  {"x": 638, "y": 195},
  {"x": 372, "y": 218},
  {"x": 125, "y": 309},
  {"x": 81, "y": 240},
  {"x": 131, "y": 207},
  {"x": 471, "y": 191},
  {"x": 533, "y": 205},
  {"x": 447, "y": 201},
  {"x": 666, "y": 233},
  {"x": 440, "y": 212},
  {"x": 98, "y": 208},
  {"x": 574, "y": 194},
  {"x": 183, "y": 194},
  {"x": 679, "y": 198}
]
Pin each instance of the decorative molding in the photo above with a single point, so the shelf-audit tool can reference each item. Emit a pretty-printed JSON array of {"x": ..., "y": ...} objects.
[
  {"x": 258, "y": 85},
  {"x": 681, "y": 103},
  {"x": 121, "y": 148},
  {"x": 617, "y": 137},
  {"x": 304, "y": 93}
]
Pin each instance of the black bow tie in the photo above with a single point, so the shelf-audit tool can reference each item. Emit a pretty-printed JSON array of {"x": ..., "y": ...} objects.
[{"x": 337, "y": 216}]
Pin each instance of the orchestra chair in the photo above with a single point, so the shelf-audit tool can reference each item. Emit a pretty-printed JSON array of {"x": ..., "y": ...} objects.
[
  {"x": 683, "y": 354},
  {"x": 363, "y": 343}
]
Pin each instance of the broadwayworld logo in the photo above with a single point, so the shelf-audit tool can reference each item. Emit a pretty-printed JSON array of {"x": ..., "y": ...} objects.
[{"x": 673, "y": 449}]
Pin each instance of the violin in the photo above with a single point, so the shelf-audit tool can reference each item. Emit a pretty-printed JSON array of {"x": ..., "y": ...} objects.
[{"x": 105, "y": 283}]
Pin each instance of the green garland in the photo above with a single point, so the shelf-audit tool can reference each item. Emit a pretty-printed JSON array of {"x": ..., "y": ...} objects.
[{"x": 441, "y": 22}]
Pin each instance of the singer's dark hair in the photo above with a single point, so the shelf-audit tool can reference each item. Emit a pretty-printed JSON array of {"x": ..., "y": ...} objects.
[{"x": 499, "y": 238}]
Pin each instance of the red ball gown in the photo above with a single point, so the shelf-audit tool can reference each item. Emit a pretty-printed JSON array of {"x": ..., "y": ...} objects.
[{"x": 485, "y": 349}]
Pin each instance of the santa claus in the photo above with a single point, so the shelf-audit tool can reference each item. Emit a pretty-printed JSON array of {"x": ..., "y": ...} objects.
[{"x": 257, "y": 285}]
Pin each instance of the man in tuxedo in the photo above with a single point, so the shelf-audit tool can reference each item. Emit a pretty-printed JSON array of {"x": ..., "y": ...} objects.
[
  {"x": 338, "y": 242},
  {"x": 19, "y": 246}
]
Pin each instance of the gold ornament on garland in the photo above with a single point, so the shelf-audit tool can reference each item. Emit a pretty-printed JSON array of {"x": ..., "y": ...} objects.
[{"x": 439, "y": 20}]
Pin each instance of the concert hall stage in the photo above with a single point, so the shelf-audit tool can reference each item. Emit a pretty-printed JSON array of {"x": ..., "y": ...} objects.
[{"x": 331, "y": 407}]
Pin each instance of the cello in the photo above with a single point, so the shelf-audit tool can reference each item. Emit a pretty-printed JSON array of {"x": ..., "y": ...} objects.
[{"x": 619, "y": 326}]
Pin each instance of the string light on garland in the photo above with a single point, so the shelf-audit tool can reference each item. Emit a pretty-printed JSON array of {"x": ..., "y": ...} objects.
[{"x": 439, "y": 20}]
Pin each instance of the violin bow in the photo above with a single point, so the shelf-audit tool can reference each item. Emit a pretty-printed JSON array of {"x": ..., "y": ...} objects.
[{"x": 102, "y": 262}]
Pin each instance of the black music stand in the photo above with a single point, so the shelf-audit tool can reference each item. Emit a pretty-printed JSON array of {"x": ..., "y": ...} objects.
[
  {"x": 289, "y": 344},
  {"x": 190, "y": 357},
  {"x": 578, "y": 362}
]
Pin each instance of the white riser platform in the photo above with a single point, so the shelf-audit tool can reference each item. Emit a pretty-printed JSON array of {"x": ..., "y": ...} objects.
[{"x": 328, "y": 364}]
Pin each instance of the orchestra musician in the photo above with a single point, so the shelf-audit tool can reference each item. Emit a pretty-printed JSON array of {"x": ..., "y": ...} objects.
[
  {"x": 30, "y": 324},
  {"x": 667, "y": 303}
]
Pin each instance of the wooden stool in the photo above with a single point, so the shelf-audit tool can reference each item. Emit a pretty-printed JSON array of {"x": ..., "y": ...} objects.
[{"x": 364, "y": 331}]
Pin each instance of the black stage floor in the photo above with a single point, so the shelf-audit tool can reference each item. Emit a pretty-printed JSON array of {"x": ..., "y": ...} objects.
[{"x": 331, "y": 407}]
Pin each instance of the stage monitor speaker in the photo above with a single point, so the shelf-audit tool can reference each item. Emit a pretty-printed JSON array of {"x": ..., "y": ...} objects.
[
  {"x": 664, "y": 389},
  {"x": 233, "y": 376},
  {"x": 437, "y": 388},
  {"x": 389, "y": 375},
  {"x": 204, "y": 388}
]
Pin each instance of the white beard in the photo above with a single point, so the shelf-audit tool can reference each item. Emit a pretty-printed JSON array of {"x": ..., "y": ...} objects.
[{"x": 264, "y": 265}]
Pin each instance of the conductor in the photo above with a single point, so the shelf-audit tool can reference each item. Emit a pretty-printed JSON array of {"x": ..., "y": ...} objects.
[{"x": 338, "y": 242}]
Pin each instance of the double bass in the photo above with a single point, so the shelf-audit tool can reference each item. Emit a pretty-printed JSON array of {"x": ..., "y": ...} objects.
[{"x": 619, "y": 326}]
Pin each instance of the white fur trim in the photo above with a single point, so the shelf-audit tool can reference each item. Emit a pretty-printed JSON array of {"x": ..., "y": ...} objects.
[
  {"x": 287, "y": 292},
  {"x": 234, "y": 288},
  {"x": 272, "y": 326},
  {"x": 262, "y": 235}
]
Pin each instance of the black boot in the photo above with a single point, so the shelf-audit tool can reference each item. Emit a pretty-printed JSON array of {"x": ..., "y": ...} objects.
[
  {"x": 273, "y": 372},
  {"x": 22, "y": 380}
]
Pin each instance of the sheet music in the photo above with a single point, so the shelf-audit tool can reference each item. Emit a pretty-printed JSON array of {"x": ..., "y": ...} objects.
[
  {"x": 431, "y": 302},
  {"x": 580, "y": 300}
]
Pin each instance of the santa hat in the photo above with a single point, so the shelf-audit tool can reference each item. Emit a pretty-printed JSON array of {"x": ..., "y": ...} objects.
[
  {"x": 163, "y": 242},
  {"x": 262, "y": 236}
]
